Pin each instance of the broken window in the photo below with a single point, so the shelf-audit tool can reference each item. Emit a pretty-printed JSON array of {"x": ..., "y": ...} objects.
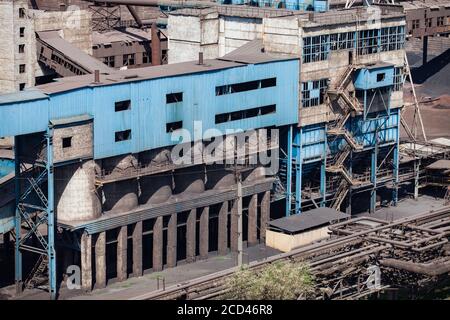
[
  {"x": 380, "y": 77},
  {"x": 22, "y": 32},
  {"x": 21, "y": 13},
  {"x": 21, "y": 48},
  {"x": 315, "y": 48},
  {"x": 416, "y": 24},
  {"x": 398, "y": 79},
  {"x": 66, "y": 142},
  {"x": 123, "y": 135},
  {"x": 428, "y": 22},
  {"x": 368, "y": 41},
  {"x": 174, "y": 97},
  {"x": 21, "y": 68},
  {"x": 440, "y": 21},
  {"x": 313, "y": 92},
  {"x": 122, "y": 105},
  {"x": 245, "y": 114},
  {"x": 21, "y": 86},
  {"x": 246, "y": 86},
  {"x": 146, "y": 57},
  {"x": 110, "y": 61},
  {"x": 128, "y": 59},
  {"x": 172, "y": 126}
]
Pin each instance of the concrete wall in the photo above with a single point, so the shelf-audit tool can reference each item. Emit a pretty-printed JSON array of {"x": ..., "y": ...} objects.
[
  {"x": 286, "y": 242},
  {"x": 10, "y": 58},
  {"x": 81, "y": 142},
  {"x": 75, "y": 26}
]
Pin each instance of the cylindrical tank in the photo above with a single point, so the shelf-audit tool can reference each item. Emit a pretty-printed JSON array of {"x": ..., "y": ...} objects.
[
  {"x": 120, "y": 196},
  {"x": 188, "y": 181},
  {"x": 219, "y": 178},
  {"x": 155, "y": 189},
  {"x": 156, "y": 157},
  {"x": 75, "y": 194},
  {"x": 255, "y": 174},
  {"x": 119, "y": 164}
]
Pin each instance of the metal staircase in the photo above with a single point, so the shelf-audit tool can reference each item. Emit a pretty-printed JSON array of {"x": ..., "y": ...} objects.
[
  {"x": 344, "y": 104},
  {"x": 340, "y": 195},
  {"x": 39, "y": 274}
]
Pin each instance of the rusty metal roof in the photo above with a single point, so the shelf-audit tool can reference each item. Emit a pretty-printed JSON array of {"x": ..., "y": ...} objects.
[
  {"x": 308, "y": 220},
  {"x": 153, "y": 72}
]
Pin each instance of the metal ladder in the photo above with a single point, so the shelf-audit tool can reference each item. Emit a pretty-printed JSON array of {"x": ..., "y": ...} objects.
[{"x": 38, "y": 275}]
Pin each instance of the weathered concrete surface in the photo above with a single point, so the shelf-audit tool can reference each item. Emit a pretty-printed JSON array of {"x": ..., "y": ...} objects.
[
  {"x": 158, "y": 244},
  {"x": 252, "y": 221},
  {"x": 137, "y": 249},
  {"x": 100, "y": 260},
  {"x": 265, "y": 215},
  {"x": 204, "y": 233},
  {"x": 172, "y": 241},
  {"x": 122, "y": 249},
  {"x": 223, "y": 229},
  {"x": 191, "y": 225},
  {"x": 86, "y": 262}
]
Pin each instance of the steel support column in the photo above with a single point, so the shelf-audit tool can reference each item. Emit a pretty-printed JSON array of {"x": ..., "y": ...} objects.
[
  {"x": 18, "y": 220},
  {"x": 289, "y": 171},
  {"x": 396, "y": 164},
  {"x": 373, "y": 179},
  {"x": 425, "y": 50},
  {"x": 298, "y": 170},
  {"x": 50, "y": 215},
  {"x": 323, "y": 171}
]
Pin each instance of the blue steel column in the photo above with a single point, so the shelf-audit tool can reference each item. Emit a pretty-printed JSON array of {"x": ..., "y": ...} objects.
[
  {"x": 396, "y": 162},
  {"x": 17, "y": 219},
  {"x": 298, "y": 170},
  {"x": 51, "y": 216},
  {"x": 289, "y": 172},
  {"x": 323, "y": 181},
  {"x": 373, "y": 179}
]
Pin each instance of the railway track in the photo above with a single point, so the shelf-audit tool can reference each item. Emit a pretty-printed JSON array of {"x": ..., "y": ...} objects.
[{"x": 353, "y": 246}]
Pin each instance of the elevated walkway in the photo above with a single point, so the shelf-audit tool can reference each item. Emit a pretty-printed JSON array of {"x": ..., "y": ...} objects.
[{"x": 64, "y": 58}]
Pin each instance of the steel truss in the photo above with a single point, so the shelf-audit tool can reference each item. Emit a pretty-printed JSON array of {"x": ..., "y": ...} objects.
[{"x": 35, "y": 210}]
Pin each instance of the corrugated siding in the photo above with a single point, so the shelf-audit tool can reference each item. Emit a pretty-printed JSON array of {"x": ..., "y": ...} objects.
[{"x": 149, "y": 112}]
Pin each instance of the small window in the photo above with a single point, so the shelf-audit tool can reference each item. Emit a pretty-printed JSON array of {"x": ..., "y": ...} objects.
[
  {"x": 22, "y": 32},
  {"x": 440, "y": 21},
  {"x": 146, "y": 57},
  {"x": 66, "y": 142},
  {"x": 268, "y": 109},
  {"x": 21, "y": 68},
  {"x": 266, "y": 83},
  {"x": 428, "y": 22},
  {"x": 21, "y": 12},
  {"x": 172, "y": 126},
  {"x": 380, "y": 77},
  {"x": 123, "y": 135},
  {"x": 122, "y": 105},
  {"x": 174, "y": 97},
  {"x": 21, "y": 86},
  {"x": 21, "y": 48}
]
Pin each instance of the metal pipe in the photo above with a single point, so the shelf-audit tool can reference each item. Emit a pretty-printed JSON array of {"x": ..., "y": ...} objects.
[
  {"x": 429, "y": 269},
  {"x": 135, "y": 15},
  {"x": 157, "y": 3}
]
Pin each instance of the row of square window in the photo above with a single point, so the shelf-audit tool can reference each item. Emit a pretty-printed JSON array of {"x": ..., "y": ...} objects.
[
  {"x": 238, "y": 87},
  {"x": 415, "y": 24},
  {"x": 317, "y": 48},
  {"x": 220, "y": 118}
]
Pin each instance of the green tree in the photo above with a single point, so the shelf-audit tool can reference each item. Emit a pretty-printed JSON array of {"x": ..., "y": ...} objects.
[{"x": 279, "y": 281}]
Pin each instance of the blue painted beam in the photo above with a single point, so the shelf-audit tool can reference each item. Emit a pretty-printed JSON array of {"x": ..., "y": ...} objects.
[
  {"x": 18, "y": 253},
  {"x": 298, "y": 170},
  {"x": 50, "y": 215},
  {"x": 289, "y": 172}
]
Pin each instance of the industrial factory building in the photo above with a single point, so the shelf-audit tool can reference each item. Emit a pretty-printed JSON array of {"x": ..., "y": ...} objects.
[{"x": 156, "y": 147}]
